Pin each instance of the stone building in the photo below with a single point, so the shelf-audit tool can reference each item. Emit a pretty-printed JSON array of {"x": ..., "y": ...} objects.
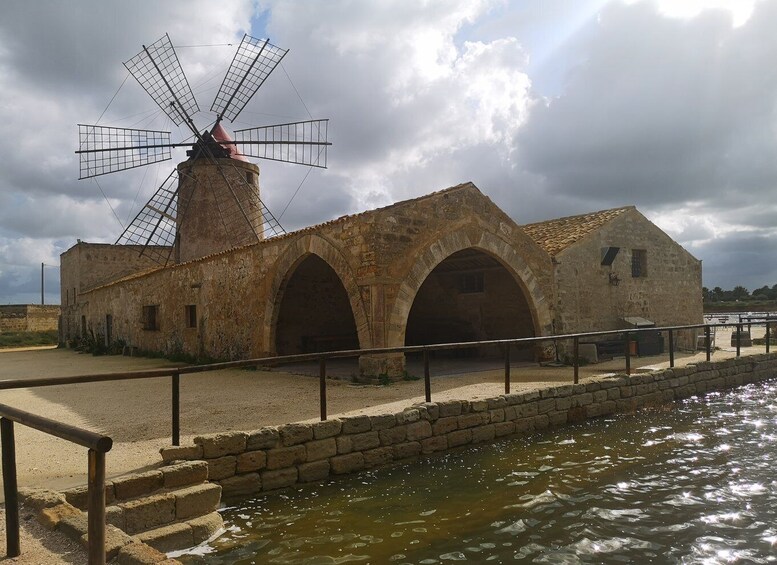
[{"x": 449, "y": 266}]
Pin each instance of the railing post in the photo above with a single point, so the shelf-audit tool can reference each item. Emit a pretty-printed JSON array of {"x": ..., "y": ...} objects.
[
  {"x": 708, "y": 342},
  {"x": 9, "y": 488},
  {"x": 427, "y": 377},
  {"x": 671, "y": 348},
  {"x": 96, "y": 508},
  {"x": 739, "y": 336},
  {"x": 322, "y": 386},
  {"x": 576, "y": 355},
  {"x": 176, "y": 407},
  {"x": 507, "y": 369},
  {"x": 628, "y": 353},
  {"x": 768, "y": 337}
]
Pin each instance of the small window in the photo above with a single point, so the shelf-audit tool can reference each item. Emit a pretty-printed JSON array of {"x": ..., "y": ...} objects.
[
  {"x": 638, "y": 263},
  {"x": 151, "y": 317},
  {"x": 471, "y": 283},
  {"x": 608, "y": 255},
  {"x": 191, "y": 316}
]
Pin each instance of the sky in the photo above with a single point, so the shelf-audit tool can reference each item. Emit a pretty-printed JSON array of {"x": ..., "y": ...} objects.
[{"x": 551, "y": 107}]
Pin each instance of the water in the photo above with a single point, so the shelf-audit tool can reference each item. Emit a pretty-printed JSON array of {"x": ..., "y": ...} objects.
[{"x": 694, "y": 482}]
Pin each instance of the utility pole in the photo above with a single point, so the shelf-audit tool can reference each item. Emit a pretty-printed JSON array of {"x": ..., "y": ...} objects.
[{"x": 42, "y": 300}]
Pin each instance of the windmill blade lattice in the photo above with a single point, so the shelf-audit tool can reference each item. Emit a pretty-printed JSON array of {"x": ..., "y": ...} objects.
[
  {"x": 303, "y": 143},
  {"x": 254, "y": 61},
  {"x": 154, "y": 227},
  {"x": 106, "y": 150},
  {"x": 159, "y": 72}
]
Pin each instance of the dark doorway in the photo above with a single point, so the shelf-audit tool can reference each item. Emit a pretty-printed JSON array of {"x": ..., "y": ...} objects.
[
  {"x": 315, "y": 313},
  {"x": 470, "y": 296}
]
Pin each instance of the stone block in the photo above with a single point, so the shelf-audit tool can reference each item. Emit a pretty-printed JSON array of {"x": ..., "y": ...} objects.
[
  {"x": 582, "y": 399},
  {"x": 356, "y": 424},
  {"x": 283, "y": 457},
  {"x": 449, "y": 408},
  {"x": 79, "y": 496},
  {"x": 434, "y": 443},
  {"x": 478, "y": 406},
  {"x": 251, "y": 461},
  {"x": 51, "y": 516},
  {"x": 379, "y": 456},
  {"x": 314, "y": 471},
  {"x": 137, "y": 553},
  {"x": 564, "y": 403},
  {"x": 514, "y": 398},
  {"x": 327, "y": 428},
  {"x": 364, "y": 441},
  {"x": 115, "y": 539},
  {"x": 204, "y": 527},
  {"x": 407, "y": 449},
  {"x": 188, "y": 473},
  {"x": 383, "y": 422},
  {"x": 419, "y": 430},
  {"x": 344, "y": 444},
  {"x": 530, "y": 396},
  {"x": 279, "y": 478},
  {"x": 349, "y": 463},
  {"x": 613, "y": 393},
  {"x": 496, "y": 415},
  {"x": 557, "y": 418},
  {"x": 459, "y": 437},
  {"x": 445, "y": 425},
  {"x": 73, "y": 525},
  {"x": 218, "y": 445},
  {"x": 510, "y": 413},
  {"x": 150, "y": 512},
  {"x": 39, "y": 498},
  {"x": 432, "y": 410},
  {"x": 114, "y": 515},
  {"x": 470, "y": 420},
  {"x": 394, "y": 435},
  {"x": 545, "y": 406},
  {"x": 181, "y": 453},
  {"x": 197, "y": 500},
  {"x": 496, "y": 403},
  {"x": 241, "y": 485},
  {"x": 541, "y": 422},
  {"x": 294, "y": 434},
  {"x": 408, "y": 416},
  {"x": 169, "y": 538},
  {"x": 263, "y": 438},
  {"x": 222, "y": 467},
  {"x": 526, "y": 410},
  {"x": 139, "y": 484},
  {"x": 321, "y": 449},
  {"x": 504, "y": 428},
  {"x": 483, "y": 433}
]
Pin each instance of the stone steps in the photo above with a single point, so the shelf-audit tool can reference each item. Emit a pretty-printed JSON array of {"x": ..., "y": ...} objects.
[{"x": 169, "y": 508}]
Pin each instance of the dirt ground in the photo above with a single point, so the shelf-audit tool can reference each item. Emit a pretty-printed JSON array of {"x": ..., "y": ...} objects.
[{"x": 136, "y": 414}]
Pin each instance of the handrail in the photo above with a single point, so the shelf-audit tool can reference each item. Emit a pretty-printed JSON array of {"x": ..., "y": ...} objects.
[{"x": 98, "y": 446}]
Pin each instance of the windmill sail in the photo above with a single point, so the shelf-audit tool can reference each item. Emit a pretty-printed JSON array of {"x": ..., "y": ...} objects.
[
  {"x": 106, "y": 150},
  {"x": 254, "y": 61},
  {"x": 302, "y": 143},
  {"x": 159, "y": 72}
]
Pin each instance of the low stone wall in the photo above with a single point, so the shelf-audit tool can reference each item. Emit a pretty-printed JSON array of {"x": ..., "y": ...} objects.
[
  {"x": 270, "y": 458},
  {"x": 28, "y": 318}
]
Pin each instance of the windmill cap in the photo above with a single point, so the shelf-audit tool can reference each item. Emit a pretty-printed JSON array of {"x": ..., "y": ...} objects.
[{"x": 220, "y": 135}]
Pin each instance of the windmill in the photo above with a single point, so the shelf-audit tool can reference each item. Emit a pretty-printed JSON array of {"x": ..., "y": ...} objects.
[{"x": 210, "y": 202}]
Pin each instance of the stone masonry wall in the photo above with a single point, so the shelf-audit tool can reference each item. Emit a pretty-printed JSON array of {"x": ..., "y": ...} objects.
[
  {"x": 270, "y": 458},
  {"x": 28, "y": 318}
]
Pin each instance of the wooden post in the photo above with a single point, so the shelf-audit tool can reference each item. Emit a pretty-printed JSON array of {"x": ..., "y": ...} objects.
[
  {"x": 739, "y": 336},
  {"x": 768, "y": 337},
  {"x": 507, "y": 369},
  {"x": 322, "y": 386},
  {"x": 427, "y": 377},
  {"x": 176, "y": 407},
  {"x": 628, "y": 353},
  {"x": 708, "y": 340},
  {"x": 96, "y": 507},
  {"x": 671, "y": 348},
  {"x": 12, "y": 548},
  {"x": 576, "y": 353}
]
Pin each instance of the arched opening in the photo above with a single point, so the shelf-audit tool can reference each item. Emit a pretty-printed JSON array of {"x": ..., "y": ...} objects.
[
  {"x": 470, "y": 296},
  {"x": 315, "y": 313}
]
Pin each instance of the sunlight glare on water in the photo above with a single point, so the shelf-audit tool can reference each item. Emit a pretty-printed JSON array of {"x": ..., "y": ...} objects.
[{"x": 695, "y": 484}]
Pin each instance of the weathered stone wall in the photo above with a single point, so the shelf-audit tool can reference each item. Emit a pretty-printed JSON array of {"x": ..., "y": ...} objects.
[
  {"x": 669, "y": 295},
  {"x": 380, "y": 257},
  {"x": 270, "y": 458},
  {"x": 28, "y": 318}
]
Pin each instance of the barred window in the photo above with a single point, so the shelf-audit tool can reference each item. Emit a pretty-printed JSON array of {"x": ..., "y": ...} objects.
[
  {"x": 638, "y": 263},
  {"x": 151, "y": 317}
]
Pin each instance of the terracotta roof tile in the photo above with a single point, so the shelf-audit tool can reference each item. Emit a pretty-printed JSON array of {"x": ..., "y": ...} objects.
[{"x": 556, "y": 235}]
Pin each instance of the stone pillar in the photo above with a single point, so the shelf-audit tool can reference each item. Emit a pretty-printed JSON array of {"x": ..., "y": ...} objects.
[{"x": 209, "y": 219}]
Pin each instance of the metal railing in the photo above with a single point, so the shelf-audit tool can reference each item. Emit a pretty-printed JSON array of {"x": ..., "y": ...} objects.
[
  {"x": 624, "y": 335},
  {"x": 98, "y": 446}
]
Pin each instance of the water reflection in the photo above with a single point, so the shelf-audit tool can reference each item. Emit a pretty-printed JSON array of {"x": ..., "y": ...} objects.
[{"x": 691, "y": 485}]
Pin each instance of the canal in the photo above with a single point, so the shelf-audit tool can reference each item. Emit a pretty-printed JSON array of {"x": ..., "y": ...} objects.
[{"x": 690, "y": 482}]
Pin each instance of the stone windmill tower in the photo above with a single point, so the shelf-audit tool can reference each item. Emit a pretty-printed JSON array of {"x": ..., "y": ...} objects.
[{"x": 211, "y": 201}]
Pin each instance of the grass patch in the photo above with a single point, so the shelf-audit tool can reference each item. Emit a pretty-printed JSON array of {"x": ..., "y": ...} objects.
[{"x": 28, "y": 339}]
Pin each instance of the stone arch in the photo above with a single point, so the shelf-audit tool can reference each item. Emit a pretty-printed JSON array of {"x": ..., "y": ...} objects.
[
  {"x": 285, "y": 267},
  {"x": 456, "y": 241}
]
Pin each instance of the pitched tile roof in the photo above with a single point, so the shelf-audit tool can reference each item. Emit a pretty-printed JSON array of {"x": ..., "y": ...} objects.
[{"x": 556, "y": 235}]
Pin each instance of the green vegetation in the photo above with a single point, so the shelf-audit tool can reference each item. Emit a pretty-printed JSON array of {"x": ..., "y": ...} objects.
[
  {"x": 28, "y": 339},
  {"x": 740, "y": 299}
]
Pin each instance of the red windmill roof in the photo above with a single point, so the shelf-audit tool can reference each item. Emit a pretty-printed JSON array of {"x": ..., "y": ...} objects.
[{"x": 221, "y": 135}]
